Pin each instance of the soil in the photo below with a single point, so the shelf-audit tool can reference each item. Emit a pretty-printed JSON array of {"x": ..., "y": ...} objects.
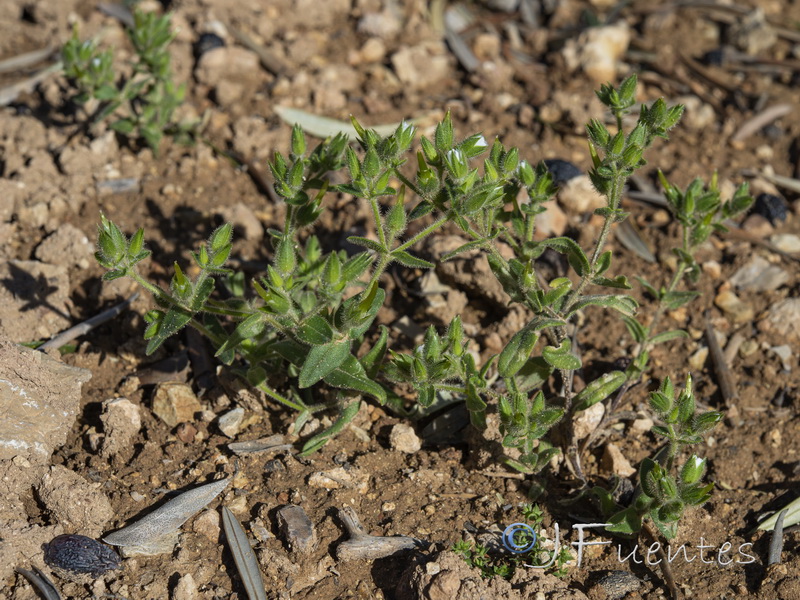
[{"x": 384, "y": 61}]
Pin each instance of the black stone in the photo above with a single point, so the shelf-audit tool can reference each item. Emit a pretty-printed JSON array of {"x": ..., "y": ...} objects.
[
  {"x": 207, "y": 41},
  {"x": 562, "y": 170},
  {"x": 80, "y": 554},
  {"x": 771, "y": 207}
]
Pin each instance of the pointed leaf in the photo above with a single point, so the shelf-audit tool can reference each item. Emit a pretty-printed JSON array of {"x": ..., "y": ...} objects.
[
  {"x": 408, "y": 260},
  {"x": 623, "y": 304},
  {"x": 322, "y": 360},
  {"x": 350, "y": 375},
  {"x": 175, "y": 320}
]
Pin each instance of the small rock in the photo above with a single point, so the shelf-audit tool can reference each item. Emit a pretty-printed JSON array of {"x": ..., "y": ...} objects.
[
  {"x": 552, "y": 222},
  {"x": 771, "y": 207},
  {"x": 74, "y": 502},
  {"x": 734, "y": 308},
  {"x": 788, "y": 242},
  {"x": 423, "y": 66},
  {"x": 614, "y": 461},
  {"x": 244, "y": 220},
  {"x": 759, "y": 275},
  {"x": 121, "y": 422},
  {"x": 337, "y": 478},
  {"x": 785, "y": 354},
  {"x": 224, "y": 64},
  {"x": 699, "y": 358},
  {"x": 207, "y": 525},
  {"x": 207, "y": 42},
  {"x": 373, "y": 50},
  {"x": 385, "y": 24},
  {"x": 753, "y": 34},
  {"x": 562, "y": 171},
  {"x": 598, "y": 50},
  {"x": 697, "y": 116},
  {"x": 783, "y": 318},
  {"x": 618, "y": 584},
  {"x": 642, "y": 425},
  {"x": 578, "y": 196},
  {"x": 713, "y": 269},
  {"x": 175, "y": 403},
  {"x": 67, "y": 246},
  {"x": 748, "y": 348},
  {"x": 186, "y": 433},
  {"x": 297, "y": 529},
  {"x": 758, "y": 226},
  {"x": 186, "y": 588},
  {"x": 231, "y": 422},
  {"x": 403, "y": 438},
  {"x": 588, "y": 420}
]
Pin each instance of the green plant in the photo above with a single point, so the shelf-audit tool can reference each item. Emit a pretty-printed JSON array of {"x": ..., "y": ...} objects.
[
  {"x": 143, "y": 104},
  {"x": 504, "y": 563},
  {"x": 665, "y": 489},
  {"x": 311, "y": 308}
]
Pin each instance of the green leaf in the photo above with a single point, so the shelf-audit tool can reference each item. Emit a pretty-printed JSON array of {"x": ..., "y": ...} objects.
[
  {"x": 623, "y": 304},
  {"x": 516, "y": 352},
  {"x": 620, "y": 282},
  {"x": 626, "y": 521},
  {"x": 322, "y": 360},
  {"x": 315, "y": 331},
  {"x": 560, "y": 358},
  {"x": 599, "y": 389},
  {"x": 319, "y": 440},
  {"x": 668, "y": 335},
  {"x": 636, "y": 329},
  {"x": 372, "y": 360},
  {"x": 367, "y": 243},
  {"x": 406, "y": 259},
  {"x": 575, "y": 255},
  {"x": 125, "y": 126},
  {"x": 247, "y": 329},
  {"x": 533, "y": 374},
  {"x": 351, "y": 375},
  {"x": 173, "y": 321},
  {"x": 676, "y": 299}
]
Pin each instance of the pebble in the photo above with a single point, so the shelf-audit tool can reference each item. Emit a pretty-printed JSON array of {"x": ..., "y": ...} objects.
[
  {"x": 185, "y": 589},
  {"x": 598, "y": 50},
  {"x": 758, "y": 226},
  {"x": 713, "y": 269},
  {"x": 121, "y": 422},
  {"x": 788, "y": 242},
  {"x": 615, "y": 462},
  {"x": 771, "y": 207},
  {"x": 618, "y": 584},
  {"x": 334, "y": 479},
  {"x": 588, "y": 420},
  {"x": 759, "y": 275},
  {"x": 642, "y": 425},
  {"x": 783, "y": 319},
  {"x": 403, "y": 438},
  {"x": 562, "y": 171},
  {"x": 784, "y": 352},
  {"x": 734, "y": 308},
  {"x": 578, "y": 196},
  {"x": 552, "y": 222},
  {"x": 186, "y": 433},
  {"x": 207, "y": 525},
  {"x": 297, "y": 529},
  {"x": 207, "y": 42},
  {"x": 422, "y": 67},
  {"x": 175, "y": 403},
  {"x": 81, "y": 555},
  {"x": 698, "y": 359},
  {"x": 231, "y": 422},
  {"x": 67, "y": 246}
]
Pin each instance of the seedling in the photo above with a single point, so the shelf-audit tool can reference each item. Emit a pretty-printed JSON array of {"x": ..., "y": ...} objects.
[{"x": 142, "y": 104}]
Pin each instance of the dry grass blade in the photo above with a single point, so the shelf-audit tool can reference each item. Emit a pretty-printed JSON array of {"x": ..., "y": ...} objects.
[
  {"x": 325, "y": 127},
  {"x": 244, "y": 556}
]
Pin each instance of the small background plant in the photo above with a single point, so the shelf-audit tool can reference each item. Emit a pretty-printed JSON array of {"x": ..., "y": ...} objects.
[{"x": 141, "y": 105}]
